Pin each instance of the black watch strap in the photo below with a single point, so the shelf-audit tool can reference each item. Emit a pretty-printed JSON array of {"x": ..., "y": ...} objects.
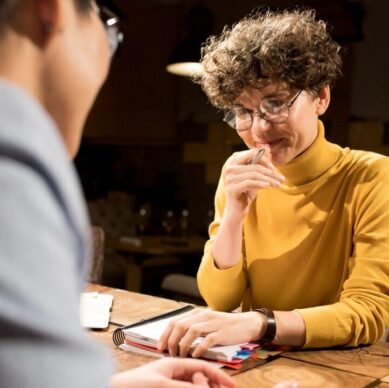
[{"x": 271, "y": 327}]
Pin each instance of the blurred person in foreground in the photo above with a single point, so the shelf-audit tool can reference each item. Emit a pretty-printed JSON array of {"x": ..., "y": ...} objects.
[
  {"x": 301, "y": 235},
  {"x": 54, "y": 57}
]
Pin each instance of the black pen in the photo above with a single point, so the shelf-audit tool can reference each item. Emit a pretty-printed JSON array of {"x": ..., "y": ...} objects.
[{"x": 258, "y": 156}]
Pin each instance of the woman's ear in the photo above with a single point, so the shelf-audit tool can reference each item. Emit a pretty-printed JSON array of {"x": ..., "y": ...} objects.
[{"x": 324, "y": 98}]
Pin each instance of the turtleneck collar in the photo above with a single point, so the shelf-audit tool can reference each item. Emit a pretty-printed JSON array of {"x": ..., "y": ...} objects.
[{"x": 313, "y": 162}]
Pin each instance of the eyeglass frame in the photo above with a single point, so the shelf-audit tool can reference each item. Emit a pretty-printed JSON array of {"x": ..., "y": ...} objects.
[
  {"x": 113, "y": 24},
  {"x": 260, "y": 114}
]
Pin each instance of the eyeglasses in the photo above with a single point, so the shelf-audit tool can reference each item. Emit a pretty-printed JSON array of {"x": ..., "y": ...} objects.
[
  {"x": 109, "y": 14},
  {"x": 273, "y": 110}
]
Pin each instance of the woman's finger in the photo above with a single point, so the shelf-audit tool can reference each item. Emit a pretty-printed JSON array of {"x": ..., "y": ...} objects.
[
  {"x": 237, "y": 170},
  {"x": 163, "y": 340},
  {"x": 252, "y": 175},
  {"x": 182, "y": 326},
  {"x": 248, "y": 185},
  {"x": 183, "y": 369},
  {"x": 179, "y": 330},
  {"x": 200, "y": 380},
  {"x": 210, "y": 340},
  {"x": 197, "y": 330}
]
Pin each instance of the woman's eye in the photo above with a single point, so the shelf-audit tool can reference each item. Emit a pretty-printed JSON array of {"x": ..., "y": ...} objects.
[
  {"x": 275, "y": 104},
  {"x": 241, "y": 112}
]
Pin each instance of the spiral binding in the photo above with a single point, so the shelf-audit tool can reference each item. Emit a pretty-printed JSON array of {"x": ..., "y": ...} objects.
[{"x": 118, "y": 335}]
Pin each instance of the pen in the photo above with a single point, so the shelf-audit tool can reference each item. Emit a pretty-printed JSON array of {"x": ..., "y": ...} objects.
[{"x": 258, "y": 156}]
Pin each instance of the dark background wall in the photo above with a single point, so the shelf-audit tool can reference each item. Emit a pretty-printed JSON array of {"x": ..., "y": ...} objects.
[{"x": 370, "y": 77}]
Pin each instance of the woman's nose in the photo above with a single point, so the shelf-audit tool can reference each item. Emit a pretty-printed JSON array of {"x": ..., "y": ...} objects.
[{"x": 259, "y": 125}]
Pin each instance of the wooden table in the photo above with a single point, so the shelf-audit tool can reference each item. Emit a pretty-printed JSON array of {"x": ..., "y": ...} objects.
[
  {"x": 138, "y": 252},
  {"x": 361, "y": 367}
]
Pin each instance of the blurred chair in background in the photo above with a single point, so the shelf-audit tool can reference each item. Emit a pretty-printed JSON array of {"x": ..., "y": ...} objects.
[
  {"x": 96, "y": 270},
  {"x": 182, "y": 287},
  {"x": 114, "y": 214},
  {"x": 140, "y": 262}
]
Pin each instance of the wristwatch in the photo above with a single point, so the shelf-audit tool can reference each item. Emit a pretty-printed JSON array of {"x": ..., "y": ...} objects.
[{"x": 271, "y": 327}]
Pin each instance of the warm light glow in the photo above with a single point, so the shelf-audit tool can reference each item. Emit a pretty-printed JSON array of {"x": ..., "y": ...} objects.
[{"x": 185, "y": 69}]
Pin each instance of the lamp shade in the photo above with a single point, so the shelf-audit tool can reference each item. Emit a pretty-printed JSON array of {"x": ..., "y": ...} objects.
[
  {"x": 184, "y": 60},
  {"x": 185, "y": 69}
]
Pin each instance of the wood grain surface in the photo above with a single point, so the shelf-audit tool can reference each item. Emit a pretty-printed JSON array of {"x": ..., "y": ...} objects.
[
  {"x": 307, "y": 375},
  {"x": 360, "y": 367},
  {"x": 368, "y": 361}
]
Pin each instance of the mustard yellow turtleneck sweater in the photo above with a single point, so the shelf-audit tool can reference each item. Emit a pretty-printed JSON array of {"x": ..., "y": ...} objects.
[{"x": 319, "y": 244}]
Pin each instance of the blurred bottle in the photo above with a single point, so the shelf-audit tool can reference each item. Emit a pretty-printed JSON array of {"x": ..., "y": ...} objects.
[
  {"x": 184, "y": 224},
  {"x": 168, "y": 223},
  {"x": 143, "y": 219}
]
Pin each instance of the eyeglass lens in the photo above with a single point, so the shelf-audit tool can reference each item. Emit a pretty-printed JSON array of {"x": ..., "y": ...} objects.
[{"x": 274, "y": 111}]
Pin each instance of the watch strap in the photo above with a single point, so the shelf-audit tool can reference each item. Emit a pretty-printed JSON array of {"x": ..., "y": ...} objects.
[{"x": 271, "y": 327}]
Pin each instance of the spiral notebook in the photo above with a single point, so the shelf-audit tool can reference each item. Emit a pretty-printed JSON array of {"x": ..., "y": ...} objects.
[{"x": 146, "y": 333}]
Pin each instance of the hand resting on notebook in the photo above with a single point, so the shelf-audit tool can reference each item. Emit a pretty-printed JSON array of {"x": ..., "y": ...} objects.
[{"x": 217, "y": 328}]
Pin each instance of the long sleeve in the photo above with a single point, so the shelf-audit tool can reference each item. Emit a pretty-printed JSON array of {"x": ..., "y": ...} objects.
[
  {"x": 41, "y": 341},
  {"x": 222, "y": 289},
  {"x": 362, "y": 312}
]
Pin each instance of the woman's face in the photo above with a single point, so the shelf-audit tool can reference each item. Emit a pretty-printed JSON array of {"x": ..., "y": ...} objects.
[
  {"x": 289, "y": 139},
  {"x": 78, "y": 65}
]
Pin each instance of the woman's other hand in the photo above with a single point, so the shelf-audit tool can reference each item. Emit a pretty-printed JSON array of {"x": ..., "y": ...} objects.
[{"x": 217, "y": 328}]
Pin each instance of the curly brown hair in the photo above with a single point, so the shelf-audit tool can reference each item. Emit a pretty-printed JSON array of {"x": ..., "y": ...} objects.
[{"x": 288, "y": 46}]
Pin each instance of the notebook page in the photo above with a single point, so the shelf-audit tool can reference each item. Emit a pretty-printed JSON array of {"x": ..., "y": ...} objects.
[{"x": 150, "y": 332}]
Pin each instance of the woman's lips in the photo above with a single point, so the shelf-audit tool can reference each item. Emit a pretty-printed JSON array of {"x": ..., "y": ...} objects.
[{"x": 270, "y": 143}]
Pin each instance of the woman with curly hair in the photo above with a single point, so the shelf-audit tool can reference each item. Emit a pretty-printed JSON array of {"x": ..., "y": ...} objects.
[{"x": 301, "y": 233}]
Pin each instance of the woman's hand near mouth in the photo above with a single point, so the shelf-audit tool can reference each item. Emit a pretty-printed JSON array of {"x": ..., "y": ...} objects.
[{"x": 243, "y": 180}]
